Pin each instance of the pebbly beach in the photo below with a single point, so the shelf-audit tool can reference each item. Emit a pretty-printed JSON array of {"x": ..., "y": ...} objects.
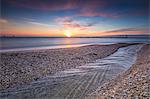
[
  {"x": 26, "y": 66},
  {"x": 133, "y": 83},
  {"x": 85, "y": 72}
]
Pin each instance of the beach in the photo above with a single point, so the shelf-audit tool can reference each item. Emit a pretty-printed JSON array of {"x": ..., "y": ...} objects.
[
  {"x": 74, "y": 49},
  {"x": 26, "y": 66},
  {"x": 72, "y": 73},
  {"x": 133, "y": 83}
]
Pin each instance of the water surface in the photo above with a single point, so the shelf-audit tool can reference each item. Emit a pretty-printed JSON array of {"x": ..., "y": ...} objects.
[{"x": 8, "y": 43}]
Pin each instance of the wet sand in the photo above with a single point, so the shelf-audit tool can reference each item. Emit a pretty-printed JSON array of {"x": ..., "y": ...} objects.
[
  {"x": 22, "y": 67},
  {"x": 133, "y": 83},
  {"x": 78, "y": 82}
]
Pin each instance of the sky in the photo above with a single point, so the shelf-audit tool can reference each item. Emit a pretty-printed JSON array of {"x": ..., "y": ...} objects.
[{"x": 76, "y": 18}]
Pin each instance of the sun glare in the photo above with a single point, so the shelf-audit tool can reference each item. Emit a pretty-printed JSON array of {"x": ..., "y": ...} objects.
[{"x": 68, "y": 33}]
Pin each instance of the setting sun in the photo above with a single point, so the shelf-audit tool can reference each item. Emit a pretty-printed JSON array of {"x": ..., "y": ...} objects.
[{"x": 68, "y": 33}]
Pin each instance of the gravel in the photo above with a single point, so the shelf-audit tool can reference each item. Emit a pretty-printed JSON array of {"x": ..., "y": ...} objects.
[
  {"x": 132, "y": 84},
  {"x": 23, "y": 67}
]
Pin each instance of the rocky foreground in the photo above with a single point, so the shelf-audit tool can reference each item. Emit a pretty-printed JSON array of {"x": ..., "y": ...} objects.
[
  {"x": 132, "y": 84},
  {"x": 23, "y": 67},
  {"x": 78, "y": 82}
]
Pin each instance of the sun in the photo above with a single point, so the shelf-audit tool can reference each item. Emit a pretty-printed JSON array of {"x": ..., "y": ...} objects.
[{"x": 68, "y": 33}]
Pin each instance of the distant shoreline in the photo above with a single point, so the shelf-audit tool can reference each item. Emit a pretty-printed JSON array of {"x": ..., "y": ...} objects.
[{"x": 113, "y": 36}]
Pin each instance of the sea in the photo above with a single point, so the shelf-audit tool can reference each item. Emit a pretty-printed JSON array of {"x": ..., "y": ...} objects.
[{"x": 26, "y": 43}]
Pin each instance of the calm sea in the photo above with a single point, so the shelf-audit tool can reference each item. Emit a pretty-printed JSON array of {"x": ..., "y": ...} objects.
[{"x": 9, "y": 43}]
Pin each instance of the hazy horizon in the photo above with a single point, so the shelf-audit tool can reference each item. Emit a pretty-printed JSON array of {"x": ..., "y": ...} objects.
[{"x": 132, "y": 35}]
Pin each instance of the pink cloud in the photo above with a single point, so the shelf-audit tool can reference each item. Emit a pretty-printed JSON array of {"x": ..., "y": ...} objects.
[
  {"x": 129, "y": 30},
  {"x": 93, "y": 13},
  {"x": 124, "y": 31},
  {"x": 67, "y": 22}
]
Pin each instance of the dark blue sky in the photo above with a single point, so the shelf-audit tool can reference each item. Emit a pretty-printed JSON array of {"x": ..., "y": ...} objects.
[{"x": 75, "y": 17}]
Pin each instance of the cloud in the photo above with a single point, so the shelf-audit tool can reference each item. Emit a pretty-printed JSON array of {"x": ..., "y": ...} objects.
[
  {"x": 89, "y": 13},
  {"x": 3, "y": 24},
  {"x": 128, "y": 30},
  {"x": 67, "y": 22},
  {"x": 57, "y": 5},
  {"x": 3, "y": 21},
  {"x": 34, "y": 22},
  {"x": 102, "y": 8},
  {"x": 40, "y": 24},
  {"x": 124, "y": 31}
]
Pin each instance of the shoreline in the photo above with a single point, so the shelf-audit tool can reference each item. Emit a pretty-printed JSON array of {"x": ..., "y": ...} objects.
[
  {"x": 41, "y": 48},
  {"x": 133, "y": 83},
  {"x": 56, "y": 47},
  {"x": 18, "y": 68}
]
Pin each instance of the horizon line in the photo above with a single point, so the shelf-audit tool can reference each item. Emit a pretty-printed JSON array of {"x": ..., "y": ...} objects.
[{"x": 131, "y": 35}]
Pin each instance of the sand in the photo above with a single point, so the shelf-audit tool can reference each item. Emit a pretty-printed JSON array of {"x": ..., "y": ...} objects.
[
  {"x": 23, "y": 67},
  {"x": 132, "y": 84}
]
